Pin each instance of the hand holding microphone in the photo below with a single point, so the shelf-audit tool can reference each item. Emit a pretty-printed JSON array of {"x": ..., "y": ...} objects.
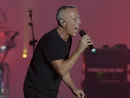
[{"x": 85, "y": 42}]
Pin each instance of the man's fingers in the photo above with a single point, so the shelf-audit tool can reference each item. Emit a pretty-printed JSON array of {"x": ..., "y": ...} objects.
[
  {"x": 83, "y": 95},
  {"x": 79, "y": 95},
  {"x": 85, "y": 38}
]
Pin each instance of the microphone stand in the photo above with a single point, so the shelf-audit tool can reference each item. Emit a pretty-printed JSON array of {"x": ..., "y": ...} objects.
[{"x": 33, "y": 41}]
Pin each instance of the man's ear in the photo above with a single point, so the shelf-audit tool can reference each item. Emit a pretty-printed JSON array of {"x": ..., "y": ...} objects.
[{"x": 62, "y": 23}]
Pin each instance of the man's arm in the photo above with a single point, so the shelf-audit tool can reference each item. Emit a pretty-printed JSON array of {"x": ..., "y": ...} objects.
[
  {"x": 68, "y": 81},
  {"x": 70, "y": 84},
  {"x": 62, "y": 67}
]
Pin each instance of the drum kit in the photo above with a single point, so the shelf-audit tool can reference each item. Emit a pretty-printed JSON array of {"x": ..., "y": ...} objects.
[{"x": 6, "y": 44}]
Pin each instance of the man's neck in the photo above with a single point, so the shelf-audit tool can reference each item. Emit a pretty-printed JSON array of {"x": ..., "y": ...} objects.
[{"x": 63, "y": 33}]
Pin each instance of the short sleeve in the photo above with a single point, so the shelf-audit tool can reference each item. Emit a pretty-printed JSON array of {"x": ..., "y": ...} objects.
[{"x": 53, "y": 50}]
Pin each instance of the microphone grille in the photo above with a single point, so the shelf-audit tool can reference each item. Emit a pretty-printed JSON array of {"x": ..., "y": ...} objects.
[{"x": 82, "y": 33}]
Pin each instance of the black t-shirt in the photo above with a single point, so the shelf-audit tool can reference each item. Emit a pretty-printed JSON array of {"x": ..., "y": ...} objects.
[{"x": 40, "y": 74}]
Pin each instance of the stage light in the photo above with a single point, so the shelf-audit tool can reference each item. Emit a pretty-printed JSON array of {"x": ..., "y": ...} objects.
[
  {"x": 25, "y": 53},
  {"x": 3, "y": 48}
]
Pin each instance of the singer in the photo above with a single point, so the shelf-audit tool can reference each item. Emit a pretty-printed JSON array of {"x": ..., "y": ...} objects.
[{"x": 51, "y": 61}]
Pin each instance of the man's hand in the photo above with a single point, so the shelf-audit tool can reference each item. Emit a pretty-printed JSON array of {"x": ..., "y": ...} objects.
[
  {"x": 78, "y": 92},
  {"x": 85, "y": 41}
]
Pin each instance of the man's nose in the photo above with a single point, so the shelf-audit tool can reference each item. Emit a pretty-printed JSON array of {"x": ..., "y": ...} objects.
[{"x": 79, "y": 21}]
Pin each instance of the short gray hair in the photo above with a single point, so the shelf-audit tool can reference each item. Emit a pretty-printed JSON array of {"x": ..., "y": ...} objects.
[{"x": 58, "y": 14}]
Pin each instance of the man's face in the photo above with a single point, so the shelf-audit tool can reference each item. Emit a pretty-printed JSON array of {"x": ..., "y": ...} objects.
[{"x": 72, "y": 21}]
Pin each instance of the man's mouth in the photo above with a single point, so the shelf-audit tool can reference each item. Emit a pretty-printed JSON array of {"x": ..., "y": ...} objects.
[{"x": 76, "y": 28}]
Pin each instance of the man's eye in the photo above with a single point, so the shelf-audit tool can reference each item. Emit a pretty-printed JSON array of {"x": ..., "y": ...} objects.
[{"x": 75, "y": 19}]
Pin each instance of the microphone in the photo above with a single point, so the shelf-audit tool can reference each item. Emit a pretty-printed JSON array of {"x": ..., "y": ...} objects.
[{"x": 91, "y": 47}]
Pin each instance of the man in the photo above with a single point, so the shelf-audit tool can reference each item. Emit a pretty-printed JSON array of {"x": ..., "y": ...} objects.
[{"x": 51, "y": 62}]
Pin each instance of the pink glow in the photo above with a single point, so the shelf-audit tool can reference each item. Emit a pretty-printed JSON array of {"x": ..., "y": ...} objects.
[{"x": 106, "y": 21}]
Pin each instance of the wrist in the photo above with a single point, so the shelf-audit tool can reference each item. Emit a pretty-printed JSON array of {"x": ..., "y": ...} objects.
[
  {"x": 72, "y": 88},
  {"x": 78, "y": 52}
]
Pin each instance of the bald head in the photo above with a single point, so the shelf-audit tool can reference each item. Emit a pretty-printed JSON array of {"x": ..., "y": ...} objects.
[
  {"x": 68, "y": 19},
  {"x": 61, "y": 13}
]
